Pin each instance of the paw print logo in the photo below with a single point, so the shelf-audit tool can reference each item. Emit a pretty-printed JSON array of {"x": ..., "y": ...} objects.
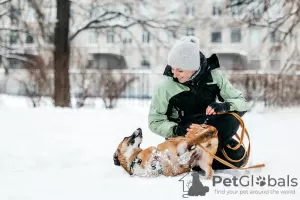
[{"x": 261, "y": 181}]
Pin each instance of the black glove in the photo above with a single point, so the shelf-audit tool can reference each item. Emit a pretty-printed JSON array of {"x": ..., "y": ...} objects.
[
  {"x": 220, "y": 107},
  {"x": 179, "y": 130}
]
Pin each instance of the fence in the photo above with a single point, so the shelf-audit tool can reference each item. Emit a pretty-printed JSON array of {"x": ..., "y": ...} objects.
[
  {"x": 280, "y": 90},
  {"x": 272, "y": 89}
]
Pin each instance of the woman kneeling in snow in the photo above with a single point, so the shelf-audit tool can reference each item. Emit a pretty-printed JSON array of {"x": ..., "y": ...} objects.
[{"x": 188, "y": 93}]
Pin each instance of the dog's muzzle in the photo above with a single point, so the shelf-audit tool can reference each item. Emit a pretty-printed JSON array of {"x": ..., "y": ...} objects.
[{"x": 116, "y": 160}]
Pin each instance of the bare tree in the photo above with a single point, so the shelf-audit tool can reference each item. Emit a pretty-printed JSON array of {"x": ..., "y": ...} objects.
[
  {"x": 279, "y": 21},
  {"x": 95, "y": 15},
  {"x": 61, "y": 55},
  {"x": 37, "y": 80},
  {"x": 83, "y": 81},
  {"x": 280, "y": 18},
  {"x": 112, "y": 86}
]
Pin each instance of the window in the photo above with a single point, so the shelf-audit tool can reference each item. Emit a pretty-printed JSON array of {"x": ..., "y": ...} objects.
[
  {"x": 103, "y": 63},
  {"x": 255, "y": 36},
  {"x": 145, "y": 62},
  {"x": 236, "y": 35},
  {"x": 14, "y": 14},
  {"x": 257, "y": 13},
  {"x": 127, "y": 40},
  {"x": 16, "y": 64},
  {"x": 257, "y": 8},
  {"x": 110, "y": 36},
  {"x": 190, "y": 31},
  {"x": 29, "y": 39},
  {"x": 217, "y": 7},
  {"x": 29, "y": 15},
  {"x": 254, "y": 64},
  {"x": 235, "y": 7},
  {"x": 275, "y": 36},
  {"x": 51, "y": 14},
  {"x": 93, "y": 37},
  {"x": 216, "y": 37},
  {"x": 126, "y": 37},
  {"x": 146, "y": 37},
  {"x": 275, "y": 64},
  {"x": 13, "y": 37},
  {"x": 190, "y": 10}
]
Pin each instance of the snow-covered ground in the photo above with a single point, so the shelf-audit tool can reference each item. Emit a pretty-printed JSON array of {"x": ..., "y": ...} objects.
[{"x": 67, "y": 154}]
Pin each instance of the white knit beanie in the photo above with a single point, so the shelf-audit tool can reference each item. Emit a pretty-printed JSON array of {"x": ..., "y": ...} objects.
[{"x": 185, "y": 54}]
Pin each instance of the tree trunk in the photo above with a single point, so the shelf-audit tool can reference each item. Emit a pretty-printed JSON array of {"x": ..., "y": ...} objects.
[{"x": 61, "y": 55}]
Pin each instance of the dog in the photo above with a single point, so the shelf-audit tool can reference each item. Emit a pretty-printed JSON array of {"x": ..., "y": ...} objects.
[{"x": 173, "y": 157}]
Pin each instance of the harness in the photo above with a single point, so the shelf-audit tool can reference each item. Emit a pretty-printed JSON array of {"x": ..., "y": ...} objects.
[
  {"x": 153, "y": 164},
  {"x": 135, "y": 161}
]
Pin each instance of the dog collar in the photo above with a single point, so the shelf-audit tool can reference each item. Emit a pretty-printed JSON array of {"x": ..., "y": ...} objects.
[{"x": 135, "y": 161}]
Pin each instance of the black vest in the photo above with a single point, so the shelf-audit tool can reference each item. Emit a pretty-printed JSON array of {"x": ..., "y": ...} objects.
[{"x": 187, "y": 104}]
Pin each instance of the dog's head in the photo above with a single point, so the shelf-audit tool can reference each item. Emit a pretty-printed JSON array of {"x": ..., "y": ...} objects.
[{"x": 128, "y": 146}]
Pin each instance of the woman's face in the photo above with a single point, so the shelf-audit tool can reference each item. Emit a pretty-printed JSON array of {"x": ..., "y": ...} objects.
[{"x": 182, "y": 75}]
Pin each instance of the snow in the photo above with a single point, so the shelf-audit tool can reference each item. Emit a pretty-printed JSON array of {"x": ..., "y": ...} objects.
[{"x": 58, "y": 153}]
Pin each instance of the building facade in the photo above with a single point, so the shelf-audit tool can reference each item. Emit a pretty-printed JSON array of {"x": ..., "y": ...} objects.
[{"x": 131, "y": 34}]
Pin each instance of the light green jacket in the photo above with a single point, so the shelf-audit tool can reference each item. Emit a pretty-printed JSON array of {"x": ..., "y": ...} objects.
[{"x": 157, "y": 119}]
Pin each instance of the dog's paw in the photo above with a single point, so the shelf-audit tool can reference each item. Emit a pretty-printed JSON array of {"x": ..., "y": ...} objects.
[{"x": 194, "y": 130}]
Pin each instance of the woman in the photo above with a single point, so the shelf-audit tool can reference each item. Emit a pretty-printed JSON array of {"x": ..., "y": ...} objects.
[{"x": 193, "y": 90}]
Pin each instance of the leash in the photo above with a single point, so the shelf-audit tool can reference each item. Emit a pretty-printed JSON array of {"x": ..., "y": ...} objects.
[{"x": 240, "y": 143}]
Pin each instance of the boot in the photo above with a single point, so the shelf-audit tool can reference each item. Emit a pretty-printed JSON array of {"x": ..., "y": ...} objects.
[{"x": 233, "y": 154}]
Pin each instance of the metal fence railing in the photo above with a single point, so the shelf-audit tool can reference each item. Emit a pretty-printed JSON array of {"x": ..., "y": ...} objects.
[{"x": 271, "y": 88}]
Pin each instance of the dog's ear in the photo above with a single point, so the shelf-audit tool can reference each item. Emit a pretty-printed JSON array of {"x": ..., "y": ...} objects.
[{"x": 116, "y": 160}]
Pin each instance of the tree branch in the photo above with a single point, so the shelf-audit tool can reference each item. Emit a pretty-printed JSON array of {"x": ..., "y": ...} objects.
[
  {"x": 3, "y": 14},
  {"x": 4, "y": 2},
  {"x": 40, "y": 15},
  {"x": 87, "y": 25}
]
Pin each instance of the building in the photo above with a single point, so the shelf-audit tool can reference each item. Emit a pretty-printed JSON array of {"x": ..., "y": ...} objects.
[{"x": 217, "y": 23}]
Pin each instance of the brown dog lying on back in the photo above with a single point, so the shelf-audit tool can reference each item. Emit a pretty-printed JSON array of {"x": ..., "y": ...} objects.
[{"x": 170, "y": 158}]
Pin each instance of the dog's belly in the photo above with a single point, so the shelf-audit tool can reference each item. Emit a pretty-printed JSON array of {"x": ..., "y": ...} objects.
[{"x": 170, "y": 157}]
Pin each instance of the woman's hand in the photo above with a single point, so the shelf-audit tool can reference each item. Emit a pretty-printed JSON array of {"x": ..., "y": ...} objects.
[
  {"x": 210, "y": 111},
  {"x": 215, "y": 107}
]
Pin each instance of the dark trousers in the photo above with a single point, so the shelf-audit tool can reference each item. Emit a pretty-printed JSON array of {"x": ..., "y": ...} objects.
[{"x": 227, "y": 125}]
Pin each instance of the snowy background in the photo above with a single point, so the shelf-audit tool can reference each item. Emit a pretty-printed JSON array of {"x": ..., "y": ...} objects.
[{"x": 67, "y": 154}]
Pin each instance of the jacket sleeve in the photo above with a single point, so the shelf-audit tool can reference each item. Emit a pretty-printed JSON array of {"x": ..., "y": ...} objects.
[
  {"x": 229, "y": 93},
  {"x": 157, "y": 118}
]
